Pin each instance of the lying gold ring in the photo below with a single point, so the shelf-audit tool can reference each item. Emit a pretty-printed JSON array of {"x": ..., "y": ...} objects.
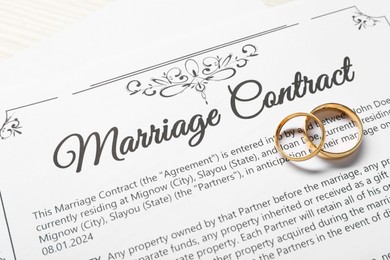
[
  {"x": 352, "y": 115},
  {"x": 316, "y": 149}
]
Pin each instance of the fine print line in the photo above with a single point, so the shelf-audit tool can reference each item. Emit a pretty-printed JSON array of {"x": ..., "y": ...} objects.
[
  {"x": 322, "y": 15},
  {"x": 6, "y": 222},
  {"x": 32, "y": 104},
  {"x": 109, "y": 81}
]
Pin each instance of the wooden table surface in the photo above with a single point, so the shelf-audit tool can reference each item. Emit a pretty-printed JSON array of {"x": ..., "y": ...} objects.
[{"x": 25, "y": 22}]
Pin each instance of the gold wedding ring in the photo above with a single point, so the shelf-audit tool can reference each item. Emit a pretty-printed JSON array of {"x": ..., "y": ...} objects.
[
  {"x": 313, "y": 148},
  {"x": 316, "y": 149},
  {"x": 352, "y": 115}
]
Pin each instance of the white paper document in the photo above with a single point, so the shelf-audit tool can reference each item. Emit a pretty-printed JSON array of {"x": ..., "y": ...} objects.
[{"x": 169, "y": 153}]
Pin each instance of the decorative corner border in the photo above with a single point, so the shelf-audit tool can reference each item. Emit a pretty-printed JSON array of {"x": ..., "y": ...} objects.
[
  {"x": 10, "y": 127},
  {"x": 195, "y": 75},
  {"x": 361, "y": 20}
]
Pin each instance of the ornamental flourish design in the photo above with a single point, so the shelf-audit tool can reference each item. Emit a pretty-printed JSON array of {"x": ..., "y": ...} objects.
[
  {"x": 363, "y": 21},
  {"x": 11, "y": 127},
  {"x": 195, "y": 76}
]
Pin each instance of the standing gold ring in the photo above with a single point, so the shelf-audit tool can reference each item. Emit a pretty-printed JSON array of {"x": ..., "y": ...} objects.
[
  {"x": 315, "y": 150},
  {"x": 352, "y": 115}
]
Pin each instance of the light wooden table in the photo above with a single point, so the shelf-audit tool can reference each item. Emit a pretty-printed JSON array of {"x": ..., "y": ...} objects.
[{"x": 25, "y": 22}]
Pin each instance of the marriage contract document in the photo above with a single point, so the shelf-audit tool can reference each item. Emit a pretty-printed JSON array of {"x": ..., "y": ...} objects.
[{"x": 169, "y": 153}]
